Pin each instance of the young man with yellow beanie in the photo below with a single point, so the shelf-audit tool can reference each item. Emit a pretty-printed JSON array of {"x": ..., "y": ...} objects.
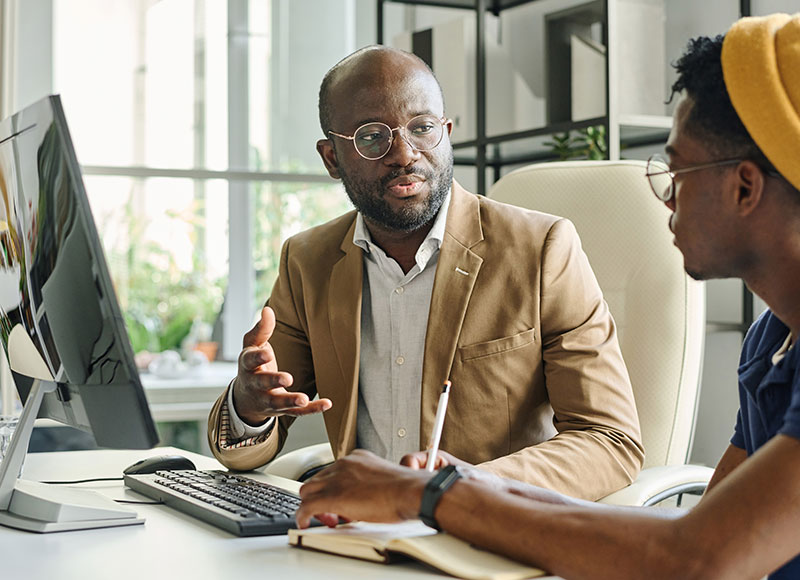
[{"x": 732, "y": 183}]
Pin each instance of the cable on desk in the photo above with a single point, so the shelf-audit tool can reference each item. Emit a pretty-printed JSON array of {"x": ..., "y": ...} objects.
[{"x": 82, "y": 481}]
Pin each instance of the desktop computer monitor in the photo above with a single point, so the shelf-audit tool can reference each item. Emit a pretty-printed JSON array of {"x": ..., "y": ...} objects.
[{"x": 60, "y": 324}]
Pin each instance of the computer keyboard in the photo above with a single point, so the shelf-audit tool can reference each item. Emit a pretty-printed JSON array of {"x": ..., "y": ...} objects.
[{"x": 238, "y": 504}]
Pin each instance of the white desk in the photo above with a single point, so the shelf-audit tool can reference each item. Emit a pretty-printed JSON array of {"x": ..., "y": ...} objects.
[{"x": 169, "y": 544}]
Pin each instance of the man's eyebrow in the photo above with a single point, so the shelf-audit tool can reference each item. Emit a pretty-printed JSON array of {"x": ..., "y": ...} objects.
[
  {"x": 367, "y": 120},
  {"x": 671, "y": 151}
]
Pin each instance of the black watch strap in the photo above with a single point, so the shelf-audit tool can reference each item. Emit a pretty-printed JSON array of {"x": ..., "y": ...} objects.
[{"x": 433, "y": 491}]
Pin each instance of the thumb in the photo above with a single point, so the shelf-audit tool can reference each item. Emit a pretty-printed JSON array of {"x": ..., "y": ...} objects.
[{"x": 263, "y": 329}]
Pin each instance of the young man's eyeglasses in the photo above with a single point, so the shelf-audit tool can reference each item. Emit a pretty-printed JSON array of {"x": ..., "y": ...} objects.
[
  {"x": 662, "y": 178},
  {"x": 374, "y": 140}
]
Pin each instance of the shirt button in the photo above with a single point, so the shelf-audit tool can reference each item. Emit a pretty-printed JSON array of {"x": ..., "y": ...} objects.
[
  {"x": 401, "y": 432},
  {"x": 398, "y": 290},
  {"x": 400, "y": 360}
]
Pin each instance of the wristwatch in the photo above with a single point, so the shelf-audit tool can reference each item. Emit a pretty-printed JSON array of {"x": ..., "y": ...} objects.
[{"x": 433, "y": 491}]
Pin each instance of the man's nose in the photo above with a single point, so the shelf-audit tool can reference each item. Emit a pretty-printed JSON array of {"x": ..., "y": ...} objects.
[{"x": 401, "y": 152}]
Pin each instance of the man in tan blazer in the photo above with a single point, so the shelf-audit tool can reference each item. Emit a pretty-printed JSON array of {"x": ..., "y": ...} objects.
[{"x": 427, "y": 282}]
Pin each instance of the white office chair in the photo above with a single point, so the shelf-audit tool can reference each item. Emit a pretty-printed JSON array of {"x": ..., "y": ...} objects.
[
  {"x": 659, "y": 310},
  {"x": 300, "y": 464}
]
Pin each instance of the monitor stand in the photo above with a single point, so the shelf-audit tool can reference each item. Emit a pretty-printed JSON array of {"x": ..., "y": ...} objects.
[{"x": 38, "y": 507}]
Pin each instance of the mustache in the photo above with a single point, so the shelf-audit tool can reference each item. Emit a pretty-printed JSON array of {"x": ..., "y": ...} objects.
[{"x": 414, "y": 170}]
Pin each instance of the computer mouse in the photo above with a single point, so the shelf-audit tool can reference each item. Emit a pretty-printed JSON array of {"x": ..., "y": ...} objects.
[{"x": 159, "y": 463}]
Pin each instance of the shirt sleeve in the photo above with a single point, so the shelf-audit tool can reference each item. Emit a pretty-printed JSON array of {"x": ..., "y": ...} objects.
[
  {"x": 738, "y": 437},
  {"x": 236, "y": 433}
]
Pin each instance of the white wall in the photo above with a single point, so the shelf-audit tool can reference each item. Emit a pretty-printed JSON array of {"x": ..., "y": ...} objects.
[{"x": 763, "y": 7}]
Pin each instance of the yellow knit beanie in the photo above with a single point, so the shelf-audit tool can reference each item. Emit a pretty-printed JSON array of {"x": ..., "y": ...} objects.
[{"x": 761, "y": 67}]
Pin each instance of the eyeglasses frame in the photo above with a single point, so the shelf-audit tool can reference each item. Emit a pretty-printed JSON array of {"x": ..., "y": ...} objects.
[
  {"x": 352, "y": 138},
  {"x": 673, "y": 172}
]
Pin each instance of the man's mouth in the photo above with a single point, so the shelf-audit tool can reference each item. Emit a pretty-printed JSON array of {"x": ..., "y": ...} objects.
[{"x": 405, "y": 186}]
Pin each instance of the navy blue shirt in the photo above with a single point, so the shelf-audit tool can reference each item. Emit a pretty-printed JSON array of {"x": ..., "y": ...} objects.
[{"x": 769, "y": 397}]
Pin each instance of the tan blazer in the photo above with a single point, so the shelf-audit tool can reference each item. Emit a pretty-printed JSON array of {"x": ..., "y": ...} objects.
[{"x": 540, "y": 392}]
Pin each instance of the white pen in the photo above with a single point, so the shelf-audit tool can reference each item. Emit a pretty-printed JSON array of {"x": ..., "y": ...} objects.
[{"x": 438, "y": 423}]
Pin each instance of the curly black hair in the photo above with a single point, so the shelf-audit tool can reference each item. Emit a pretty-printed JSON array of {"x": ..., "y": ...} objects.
[{"x": 712, "y": 117}]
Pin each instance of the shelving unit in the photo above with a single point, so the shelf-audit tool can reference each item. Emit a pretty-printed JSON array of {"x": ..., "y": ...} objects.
[{"x": 493, "y": 152}]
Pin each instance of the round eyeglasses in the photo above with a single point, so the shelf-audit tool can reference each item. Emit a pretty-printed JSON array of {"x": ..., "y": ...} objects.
[
  {"x": 374, "y": 140},
  {"x": 662, "y": 178}
]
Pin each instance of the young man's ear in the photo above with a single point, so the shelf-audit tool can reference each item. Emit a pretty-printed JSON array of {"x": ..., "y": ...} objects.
[
  {"x": 751, "y": 181},
  {"x": 325, "y": 150}
]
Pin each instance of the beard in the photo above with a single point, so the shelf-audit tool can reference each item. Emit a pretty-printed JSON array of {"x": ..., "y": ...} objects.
[{"x": 368, "y": 199}]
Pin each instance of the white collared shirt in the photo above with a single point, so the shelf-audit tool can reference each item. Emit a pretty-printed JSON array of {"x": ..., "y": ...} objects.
[{"x": 394, "y": 320}]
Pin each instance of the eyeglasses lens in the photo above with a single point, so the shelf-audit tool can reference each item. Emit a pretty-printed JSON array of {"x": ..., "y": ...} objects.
[
  {"x": 373, "y": 140},
  {"x": 660, "y": 179}
]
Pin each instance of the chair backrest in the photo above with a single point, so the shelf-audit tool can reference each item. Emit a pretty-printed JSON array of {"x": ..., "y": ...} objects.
[{"x": 659, "y": 310}]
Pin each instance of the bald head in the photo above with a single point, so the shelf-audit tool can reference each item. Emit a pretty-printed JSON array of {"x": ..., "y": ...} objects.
[{"x": 374, "y": 65}]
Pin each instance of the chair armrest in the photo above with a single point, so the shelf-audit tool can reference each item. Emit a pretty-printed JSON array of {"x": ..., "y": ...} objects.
[
  {"x": 656, "y": 484},
  {"x": 294, "y": 464}
]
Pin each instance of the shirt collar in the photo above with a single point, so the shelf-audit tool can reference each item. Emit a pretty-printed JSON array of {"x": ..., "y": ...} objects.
[
  {"x": 781, "y": 352},
  {"x": 363, "y": 240}
]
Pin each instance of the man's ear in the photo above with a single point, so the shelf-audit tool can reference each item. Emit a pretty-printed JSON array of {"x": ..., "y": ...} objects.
[
  {"x": 325, "y": 150},
  {"x": 750, "y": 186}
]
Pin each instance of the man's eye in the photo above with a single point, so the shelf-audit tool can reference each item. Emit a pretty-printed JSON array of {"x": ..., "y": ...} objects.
[
  {"x": 423, "y": 129},
  {"x": 371, "y": 137}
]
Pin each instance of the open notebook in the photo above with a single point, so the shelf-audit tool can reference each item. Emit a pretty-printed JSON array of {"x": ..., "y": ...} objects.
[{"x": 385, "y": 542}]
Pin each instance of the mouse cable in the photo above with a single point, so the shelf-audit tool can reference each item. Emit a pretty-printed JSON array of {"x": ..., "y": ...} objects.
[{"x": 82, "y": 481}]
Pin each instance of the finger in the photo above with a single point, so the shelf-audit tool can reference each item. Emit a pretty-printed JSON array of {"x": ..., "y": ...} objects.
[
  {"x": 279, "y": 399},
  {"x": 269, "y": 380},
  {"x": 450, "y": 459},
  {"x": 441, "y": 461},
  {"x": 310, "y": 508},
  {"x": 414, "y": 460},
  {"x": 311, "y": 409},
  {"x": 302, "y": 517},
  {"x": 262, "y": 331},
  {"x": 253, "y": 357},
  {"x": 330, "y": 520}
]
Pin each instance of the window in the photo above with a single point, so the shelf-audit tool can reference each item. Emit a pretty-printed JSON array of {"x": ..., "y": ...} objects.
[{"x": 195, "y": 122}]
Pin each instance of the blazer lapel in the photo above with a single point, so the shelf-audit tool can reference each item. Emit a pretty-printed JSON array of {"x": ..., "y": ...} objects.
[
  {"x": 344, "y": 313},
  {"x": 456, "y": 272}
]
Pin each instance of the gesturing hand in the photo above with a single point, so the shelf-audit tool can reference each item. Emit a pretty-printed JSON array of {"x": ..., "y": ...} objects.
[{"x": 260, "y": 389}]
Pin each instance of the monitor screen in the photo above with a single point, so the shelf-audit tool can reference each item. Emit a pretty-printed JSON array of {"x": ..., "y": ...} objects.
[{"x": 59, "y": 317}]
